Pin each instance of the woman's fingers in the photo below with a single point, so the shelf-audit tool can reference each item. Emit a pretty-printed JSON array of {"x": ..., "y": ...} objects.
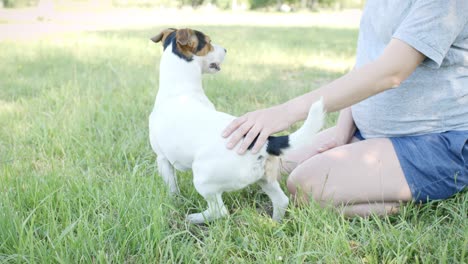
[
  {"x": 249, "y": 138},
  {"x": 260, "y": 123},
  {"x": 329, "y": 145},
  {"x": 240, "y": 132},
  {"x": 234, "y": 125},
  {"x": 261, "y": 140}
]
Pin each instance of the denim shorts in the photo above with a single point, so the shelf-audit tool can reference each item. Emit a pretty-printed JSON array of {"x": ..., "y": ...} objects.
[{"x": 435, "y": 165}]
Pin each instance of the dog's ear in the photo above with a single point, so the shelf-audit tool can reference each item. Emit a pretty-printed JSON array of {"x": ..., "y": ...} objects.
[
  {"x": 183, "y": 36},
  {"x": 186, "y": 37},
  {"x": 163, "y": 35}
]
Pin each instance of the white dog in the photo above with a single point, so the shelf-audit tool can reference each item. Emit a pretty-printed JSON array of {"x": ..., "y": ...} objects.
[{"x": 185, "y": 129}]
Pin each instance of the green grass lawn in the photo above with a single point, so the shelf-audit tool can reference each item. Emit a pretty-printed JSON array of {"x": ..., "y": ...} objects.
[{"x": 78, "y": 180}]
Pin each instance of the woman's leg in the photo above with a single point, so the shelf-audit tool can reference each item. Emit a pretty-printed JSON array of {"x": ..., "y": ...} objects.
[
  {"x": 296, "y": 157},
  {"x": 364, "y": 177}
]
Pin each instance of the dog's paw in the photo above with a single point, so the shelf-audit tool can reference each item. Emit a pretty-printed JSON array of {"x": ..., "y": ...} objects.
[{"x": 196, "y": 218}]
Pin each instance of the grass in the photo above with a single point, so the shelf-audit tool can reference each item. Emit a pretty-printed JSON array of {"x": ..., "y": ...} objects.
[{"x": 78, "y": 181}]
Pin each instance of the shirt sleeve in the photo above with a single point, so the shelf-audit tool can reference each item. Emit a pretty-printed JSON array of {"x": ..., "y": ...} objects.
[{"x": 432, "y": 26}]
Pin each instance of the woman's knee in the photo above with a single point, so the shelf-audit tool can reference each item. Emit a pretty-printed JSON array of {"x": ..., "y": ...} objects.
[
  {"x": 305, "y": 180},
  {"x": 319, "y": 178},
  {"x": 296, "y": 179},
  {"x": 292, "y": 183},
  {"x": 295, "y": 188}
]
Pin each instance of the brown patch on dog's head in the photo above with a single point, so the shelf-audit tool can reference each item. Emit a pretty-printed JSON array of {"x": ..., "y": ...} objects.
[
  {"x": 188, "y": 42},
  {"x": 192, "y": 42},
  {"x": 204, "y": 44}
]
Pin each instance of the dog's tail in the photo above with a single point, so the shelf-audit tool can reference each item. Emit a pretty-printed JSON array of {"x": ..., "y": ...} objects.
[{"x": 303, "y": 136}]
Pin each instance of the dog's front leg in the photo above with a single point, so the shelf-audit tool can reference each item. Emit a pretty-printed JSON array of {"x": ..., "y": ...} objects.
[
  {"x": 167, "y": 172},
  {"x": 279, "y": 199}
]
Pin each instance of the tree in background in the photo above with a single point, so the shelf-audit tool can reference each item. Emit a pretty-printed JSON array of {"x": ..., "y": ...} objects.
[
  {"x": 223, "y": 4},
  {"x": 19, "y": 3}
]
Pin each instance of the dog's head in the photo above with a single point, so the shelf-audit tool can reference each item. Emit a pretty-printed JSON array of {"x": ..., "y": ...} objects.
[{"x": 192, "y": 45}]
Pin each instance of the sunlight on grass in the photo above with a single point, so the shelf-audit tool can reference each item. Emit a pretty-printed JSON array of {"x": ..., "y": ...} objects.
[{"x": 9, "y": 107}]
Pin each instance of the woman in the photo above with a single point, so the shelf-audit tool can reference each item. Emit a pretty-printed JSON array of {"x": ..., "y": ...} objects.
[{"x": 402, "y": 131}]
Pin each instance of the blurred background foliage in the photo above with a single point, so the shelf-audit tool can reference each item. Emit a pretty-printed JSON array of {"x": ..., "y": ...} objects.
[{"x": 265, "y": 5}]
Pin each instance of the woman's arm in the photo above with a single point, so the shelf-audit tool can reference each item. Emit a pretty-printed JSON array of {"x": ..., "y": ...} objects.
[{"x": 396, "y": 63}]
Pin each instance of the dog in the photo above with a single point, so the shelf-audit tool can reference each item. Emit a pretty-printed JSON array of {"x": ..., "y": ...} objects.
[{"x": 185, "y": 129}]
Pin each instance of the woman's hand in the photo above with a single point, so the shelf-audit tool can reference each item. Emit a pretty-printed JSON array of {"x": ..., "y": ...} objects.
[
  {"x": 341, "y": 138},
  {"x": 261, "y": 123},
  {"x": 343, "y": 132}
]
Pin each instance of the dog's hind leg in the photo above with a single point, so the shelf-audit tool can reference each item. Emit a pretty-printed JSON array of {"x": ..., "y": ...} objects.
[
  {"x": 278, "y": 198},
  {"x": 216, "y": 209},
  {"x": 167, "y": 172}
]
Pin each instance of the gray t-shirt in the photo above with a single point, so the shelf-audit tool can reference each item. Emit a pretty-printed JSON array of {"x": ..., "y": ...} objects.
[{"x": 434, "y": 98}]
